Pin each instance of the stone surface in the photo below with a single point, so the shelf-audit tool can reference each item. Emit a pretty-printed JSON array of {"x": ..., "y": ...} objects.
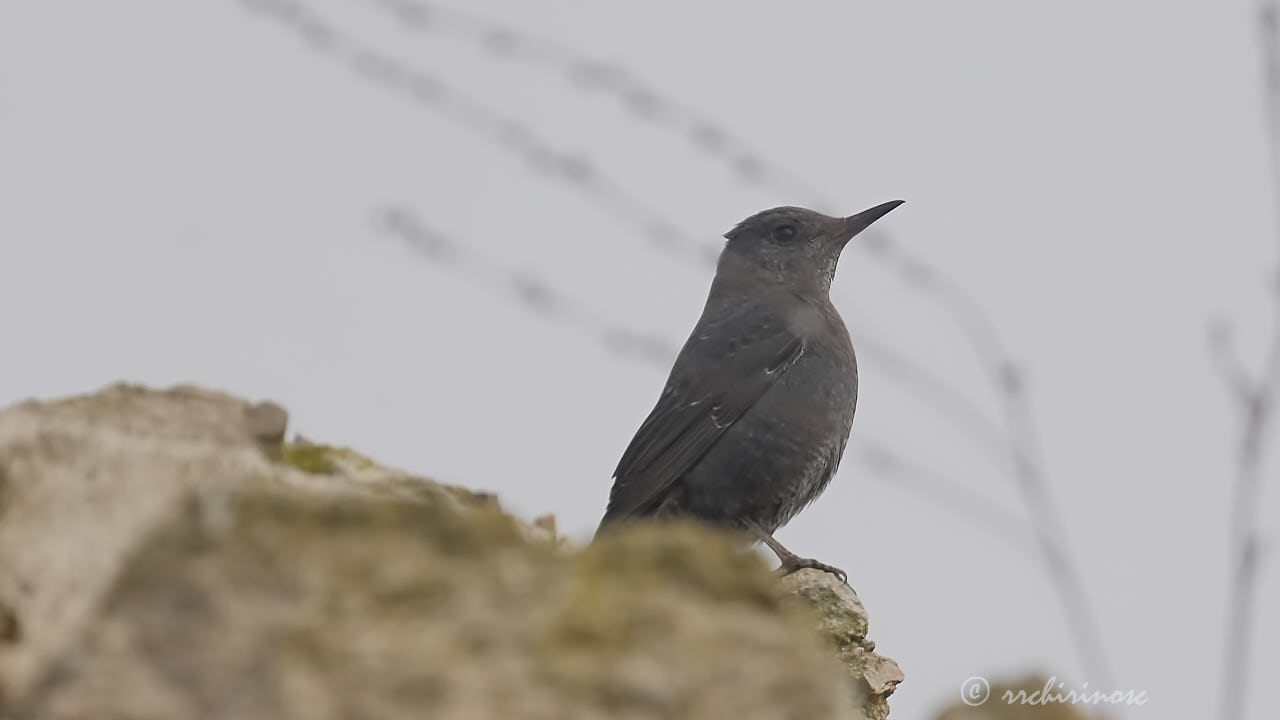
[
  {"x": 163, "y": 555},
  {"x": 843, "y": 620}
]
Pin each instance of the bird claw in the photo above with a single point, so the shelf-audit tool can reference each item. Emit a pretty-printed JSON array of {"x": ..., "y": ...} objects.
[{"x": 794, "y": 563}]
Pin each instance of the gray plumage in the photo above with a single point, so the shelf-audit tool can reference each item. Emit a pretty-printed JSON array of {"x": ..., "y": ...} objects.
[{"x": 755, "y": 415}]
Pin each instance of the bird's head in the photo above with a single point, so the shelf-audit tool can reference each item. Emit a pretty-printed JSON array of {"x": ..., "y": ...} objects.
[{"x": 794, "y": 246}]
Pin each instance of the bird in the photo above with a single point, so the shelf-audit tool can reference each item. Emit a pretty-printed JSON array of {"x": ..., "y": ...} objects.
[{"x": 753, "y": 420}]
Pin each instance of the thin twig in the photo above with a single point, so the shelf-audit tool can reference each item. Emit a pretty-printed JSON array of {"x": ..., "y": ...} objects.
[
  {"x": 1256, "y": 397},
  {"x": 1008, "y": 381}
]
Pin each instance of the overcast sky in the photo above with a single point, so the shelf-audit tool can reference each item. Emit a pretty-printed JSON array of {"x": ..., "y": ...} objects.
[{"x": 197, "y": 193}]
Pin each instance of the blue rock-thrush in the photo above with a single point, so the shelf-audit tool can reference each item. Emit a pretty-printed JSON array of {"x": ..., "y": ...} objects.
[{"x": 755, "y": 416}]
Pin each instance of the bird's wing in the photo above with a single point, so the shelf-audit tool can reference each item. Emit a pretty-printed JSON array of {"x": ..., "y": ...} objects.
[{"x": 723, "y": 369}]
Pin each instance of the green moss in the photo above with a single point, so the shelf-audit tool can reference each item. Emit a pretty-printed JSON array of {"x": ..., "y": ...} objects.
[
  {"x": 700, "y": 560},
  {"x": 409, "y": 487},
  {"x": 297, "y": 519},
  {"x": 314, "y": 459},
  {"x": 611, "y": 592},
  {"x": 352, "y": 459}
]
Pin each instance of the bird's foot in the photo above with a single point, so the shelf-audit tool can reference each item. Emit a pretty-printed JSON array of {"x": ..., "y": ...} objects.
[{"x": 792, "y": 563}]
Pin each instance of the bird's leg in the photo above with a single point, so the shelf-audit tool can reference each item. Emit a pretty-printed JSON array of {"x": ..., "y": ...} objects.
[{"x": 792, "y": 562}]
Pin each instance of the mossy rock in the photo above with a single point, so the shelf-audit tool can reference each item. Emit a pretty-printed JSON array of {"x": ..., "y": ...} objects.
[
  {"x": 173, "y": 565},
  {"x": 304, "y": 607}
]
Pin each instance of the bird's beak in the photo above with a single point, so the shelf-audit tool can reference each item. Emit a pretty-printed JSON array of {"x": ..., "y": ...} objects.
[{"x": 855, "y": 224}]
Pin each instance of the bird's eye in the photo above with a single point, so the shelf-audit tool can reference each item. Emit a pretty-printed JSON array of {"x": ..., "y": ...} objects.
[{"x": 784, "y": 233}]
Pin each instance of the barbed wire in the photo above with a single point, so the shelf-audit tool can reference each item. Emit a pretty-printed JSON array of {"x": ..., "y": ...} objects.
[
  {"x": 645, "y": 102},
  {"x": 542, "y": 297},
  {"x": 650, "y": 105},
  {"x": 434, "y": 93},
  {"x": 1005, "y": 375},
  {"x": 532, "y": 291}
]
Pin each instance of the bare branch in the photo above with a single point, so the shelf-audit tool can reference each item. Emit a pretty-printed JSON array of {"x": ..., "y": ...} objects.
[
  {"x": 1255, "y": 397},
  {"x": 1008, "y": 382}
]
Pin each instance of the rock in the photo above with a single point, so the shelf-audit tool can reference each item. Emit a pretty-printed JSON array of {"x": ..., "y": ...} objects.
[
  {"x": 266, "y": 422},
  {"x": 164, "y": 555},
  {"x": 843, "y": 620}
]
